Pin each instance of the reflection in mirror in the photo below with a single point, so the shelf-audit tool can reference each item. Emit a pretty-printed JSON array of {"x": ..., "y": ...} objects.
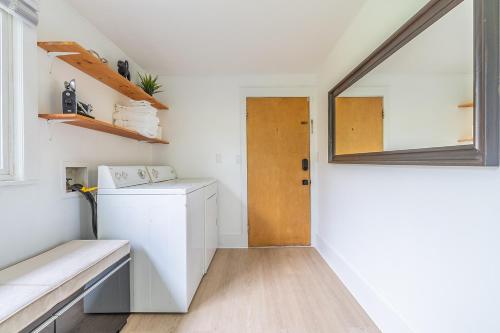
[{"x": 420, "y": 97}]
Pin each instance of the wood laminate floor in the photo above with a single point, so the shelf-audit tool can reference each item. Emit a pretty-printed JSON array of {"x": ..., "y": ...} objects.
[{"x": 282, "y": 290}]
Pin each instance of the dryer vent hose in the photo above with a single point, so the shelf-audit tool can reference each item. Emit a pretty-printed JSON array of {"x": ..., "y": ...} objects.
[{"x": 91, "y": 199}]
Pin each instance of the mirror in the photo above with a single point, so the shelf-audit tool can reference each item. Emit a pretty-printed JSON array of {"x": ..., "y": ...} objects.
[{"x": 415, "y": 99}]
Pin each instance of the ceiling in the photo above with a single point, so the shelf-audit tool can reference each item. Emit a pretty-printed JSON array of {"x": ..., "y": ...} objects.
[{"x": 222, "y": 37}]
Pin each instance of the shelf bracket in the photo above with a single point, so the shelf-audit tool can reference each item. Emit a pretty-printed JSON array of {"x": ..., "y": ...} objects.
[
  {"x": 59, "y": 54},
  {"x": 53, "y": 55},
  {"x": 59, "y": 121}
]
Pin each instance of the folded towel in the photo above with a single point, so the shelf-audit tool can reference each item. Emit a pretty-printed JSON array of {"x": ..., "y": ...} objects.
[
  {"x": 131, "y": 116},
  {"x": 139, "y": 110},
  {"x": 138, "y": 116},
  {"x": 150, "y": 132},
  {"x": 131, "y": 102},
  {"x": 147, "y": 134},
  {"x": 135, "y": 124}
]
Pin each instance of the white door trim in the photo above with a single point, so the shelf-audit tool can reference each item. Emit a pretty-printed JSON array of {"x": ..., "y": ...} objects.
[{"x": 302, "y": 91}]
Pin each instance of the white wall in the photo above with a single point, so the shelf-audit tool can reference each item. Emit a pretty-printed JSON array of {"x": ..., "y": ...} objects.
[
  {"x": 416, "y": 245},
  {"x": 37, "y": 215},
  {"x": 205, "y": 119}
]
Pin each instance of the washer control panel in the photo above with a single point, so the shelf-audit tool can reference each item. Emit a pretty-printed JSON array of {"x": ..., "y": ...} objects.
[
  {"x": 122, "y": 176},
  {"x": 161, "y": 173}
]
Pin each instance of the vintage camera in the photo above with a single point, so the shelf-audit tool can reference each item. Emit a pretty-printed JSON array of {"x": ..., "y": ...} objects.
[{"x": 71, "y": 104}]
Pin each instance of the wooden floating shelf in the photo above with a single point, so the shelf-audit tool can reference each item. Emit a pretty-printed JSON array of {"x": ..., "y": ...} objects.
[
  {"x": 89, "y": 64},
  {"x": 466, "y": 105},
  {"x": 98, "y": 125},
  {"x": 466, "y": 140}
]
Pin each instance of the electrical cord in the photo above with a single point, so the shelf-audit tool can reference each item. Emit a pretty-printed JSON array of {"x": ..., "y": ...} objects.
[{"x": 91, "y": 199}]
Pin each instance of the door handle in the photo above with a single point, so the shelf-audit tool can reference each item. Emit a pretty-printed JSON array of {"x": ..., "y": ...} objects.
[
  {"x": 305, "y": 182},
  {"x": 305, "y": 164}
]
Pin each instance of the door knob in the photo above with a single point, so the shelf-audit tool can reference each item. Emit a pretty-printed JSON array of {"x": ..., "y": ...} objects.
[{"x": 305, "y": 182}]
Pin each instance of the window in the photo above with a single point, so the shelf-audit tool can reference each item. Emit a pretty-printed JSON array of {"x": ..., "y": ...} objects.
[{"x": 6, "y": 101}]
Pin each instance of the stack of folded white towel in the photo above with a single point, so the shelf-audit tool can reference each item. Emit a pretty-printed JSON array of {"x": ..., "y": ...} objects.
[{"x": 138, "y": 116}]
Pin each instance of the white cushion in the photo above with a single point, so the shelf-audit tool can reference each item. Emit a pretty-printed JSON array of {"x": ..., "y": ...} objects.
[{"x": 32, "y": 287}]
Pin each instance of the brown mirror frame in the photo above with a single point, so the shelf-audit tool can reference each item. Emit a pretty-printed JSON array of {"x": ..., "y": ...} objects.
[{"x": 484, "y": 151}]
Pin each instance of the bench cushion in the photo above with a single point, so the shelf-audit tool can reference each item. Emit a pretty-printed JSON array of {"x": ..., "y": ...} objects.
[{"x": 32, "y": 287}]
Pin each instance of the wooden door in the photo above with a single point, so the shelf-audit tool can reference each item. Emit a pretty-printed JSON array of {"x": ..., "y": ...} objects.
[
  {"x": 278, "y": 200},
  {"x": 359, "y": 125}
]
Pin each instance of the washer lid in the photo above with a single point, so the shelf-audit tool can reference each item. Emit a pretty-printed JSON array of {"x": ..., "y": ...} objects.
[
  {"x": 172, "y": 187},
  {"x": 161, "y": 173}
]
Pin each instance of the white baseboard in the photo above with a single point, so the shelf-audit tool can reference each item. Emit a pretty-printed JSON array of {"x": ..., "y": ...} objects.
[{"x": 384, "y": 316}]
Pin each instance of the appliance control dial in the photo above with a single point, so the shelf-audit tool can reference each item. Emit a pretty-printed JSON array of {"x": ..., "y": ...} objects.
[
  {"x": 155, "y": 173},
  {"x": 124, "y": 175},
  {"x": 141, "y": 174},
  {"x": 118, "y": 176}
]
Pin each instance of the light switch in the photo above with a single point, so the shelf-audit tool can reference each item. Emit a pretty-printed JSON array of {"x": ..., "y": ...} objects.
[{"x": 238, "y": 159}]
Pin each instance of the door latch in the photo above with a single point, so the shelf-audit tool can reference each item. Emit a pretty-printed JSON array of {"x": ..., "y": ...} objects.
[{"x": 305, "y": 164}]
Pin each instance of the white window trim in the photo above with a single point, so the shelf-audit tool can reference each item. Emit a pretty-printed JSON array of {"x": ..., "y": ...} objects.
[
  {"x": 15, "y": 101},
  {"x": 18, "y": 98},
  {"x": 6, "y": 96}
]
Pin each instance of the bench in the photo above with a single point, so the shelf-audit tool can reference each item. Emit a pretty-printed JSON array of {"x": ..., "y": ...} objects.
[{"x": 35, "y": 292}]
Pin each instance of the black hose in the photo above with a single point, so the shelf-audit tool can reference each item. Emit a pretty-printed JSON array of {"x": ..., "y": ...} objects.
[{"x": 93, "y": 205}]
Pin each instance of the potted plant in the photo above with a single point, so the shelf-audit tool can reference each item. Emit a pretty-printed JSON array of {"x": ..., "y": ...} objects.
[{"x": 149, "y": 84}]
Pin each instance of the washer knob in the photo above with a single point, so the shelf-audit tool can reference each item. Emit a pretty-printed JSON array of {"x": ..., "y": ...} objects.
[
  {"x": 155, "y": 173},
  {"x": 141, "y": 174},
  {"x": 118, "y": 175}
]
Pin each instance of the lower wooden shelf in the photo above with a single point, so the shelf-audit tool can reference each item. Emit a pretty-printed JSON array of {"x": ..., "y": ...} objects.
[
  {"x": 463, "y": 140},
  {"x": 98, "y": 125}
]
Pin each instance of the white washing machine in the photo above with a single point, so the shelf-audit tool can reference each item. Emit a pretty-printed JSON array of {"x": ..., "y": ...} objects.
[{"x": 172, "y": 227}]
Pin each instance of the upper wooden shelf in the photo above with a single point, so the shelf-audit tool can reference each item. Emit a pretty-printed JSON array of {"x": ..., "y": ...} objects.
[
  {"x": 466, "y": 105},
  {"x": 89, "y": 64},
  {"x": 98, "y": 125}
]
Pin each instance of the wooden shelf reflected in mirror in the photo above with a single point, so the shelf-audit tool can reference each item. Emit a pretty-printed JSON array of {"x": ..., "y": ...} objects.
[
  {"x": 464, "y": 140},
  {"x": 468, "y": 105},
  {"x": 402, "y": 70}
]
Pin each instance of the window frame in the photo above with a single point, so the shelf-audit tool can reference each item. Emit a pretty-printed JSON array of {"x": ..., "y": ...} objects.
[{"x": 7, "y": 115}]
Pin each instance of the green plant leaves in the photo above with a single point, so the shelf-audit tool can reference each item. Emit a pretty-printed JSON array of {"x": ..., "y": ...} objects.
[{"x": 149, "y": 84}]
